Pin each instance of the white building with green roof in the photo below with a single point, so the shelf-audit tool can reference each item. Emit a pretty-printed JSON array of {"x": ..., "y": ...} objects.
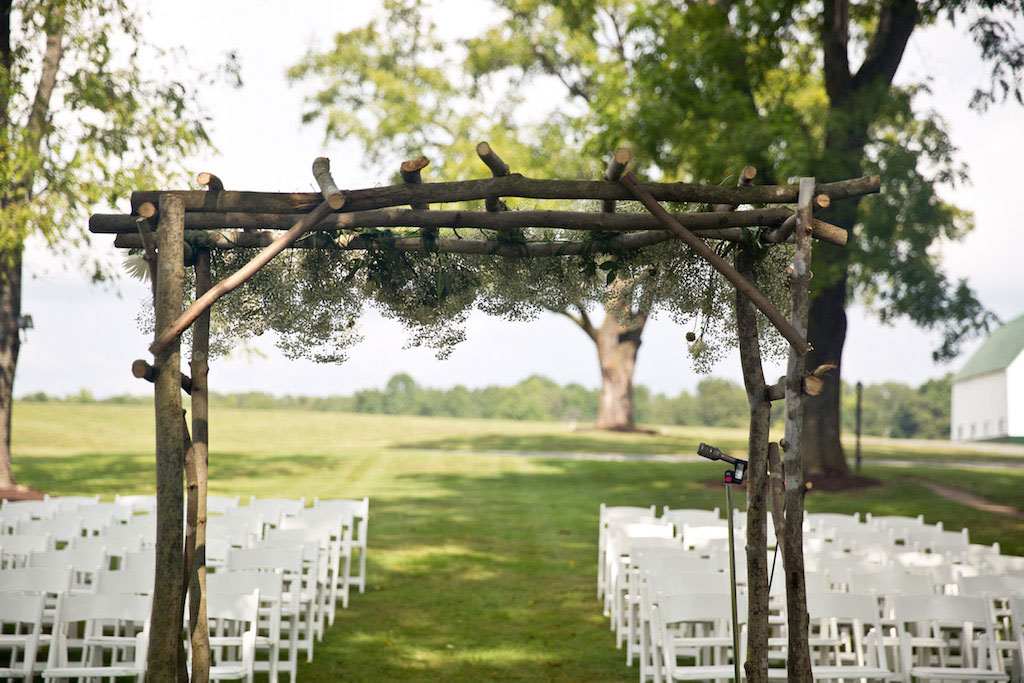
[{"x": 988, "y": 392}]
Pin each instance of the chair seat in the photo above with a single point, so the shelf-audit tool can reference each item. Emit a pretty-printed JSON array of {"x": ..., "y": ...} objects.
[
  {"x": 227, "y": 671},
  {"x": 837, "y": 672},
  {"x": 91, "y": 672},
  {"x": 957, "y": 674},
  {"x": 701, "y": 673}
]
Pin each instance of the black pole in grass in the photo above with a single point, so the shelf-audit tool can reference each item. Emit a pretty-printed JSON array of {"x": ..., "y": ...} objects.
[{"x": 733, "y": 476}]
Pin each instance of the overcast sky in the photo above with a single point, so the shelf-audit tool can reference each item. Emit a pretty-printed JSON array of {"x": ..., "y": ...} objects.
[{"x": 261, "y": 145}]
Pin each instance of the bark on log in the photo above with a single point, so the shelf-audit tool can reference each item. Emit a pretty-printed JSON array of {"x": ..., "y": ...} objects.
[
  {"x": 777, "y": 391},
  {"x": 174, "y": 329},
  {"x": 795, "y": 338},
  {"x": 187, "y": 457},
  {"x": 250, "y": 240},
  {"x": 506, "y": 220},
  {"x": 756, "y": 665},
  {"x": 514, "y": 185},
  {"x": 776, "y": 492},
  {"x": 200, "y": 454},
  {"x": 144, "y": 370},
  {"x": 322, "y": 173},
  {"x": 798, "y": 662},
  {"x": 499, "y": 169},
  {"x": 826, "y": 232},
  {"x": 165, "y": 620},
  {"x": 616, "y": 167}
]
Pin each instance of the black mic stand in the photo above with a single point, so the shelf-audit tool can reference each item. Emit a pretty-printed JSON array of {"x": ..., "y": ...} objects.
[{"x": 733, "y": 476}]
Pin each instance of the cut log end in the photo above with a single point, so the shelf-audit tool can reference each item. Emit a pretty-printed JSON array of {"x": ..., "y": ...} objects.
[
  {"x": 328, "y": 188},
  {"x": 142, "y": 369},
  {"x": 813, "y": 386},
  {"x": 147, "y": 210},
  {"x": 822, "y": 201},
  {"x": 415, "y": 165},
  {"x": 210, "y": 181},
  {"x": 498, "y": 167},
  {"x": 749, "y": 172},
  {"x": 617, "y": 164},
  {"x": 622, "y": 156}
]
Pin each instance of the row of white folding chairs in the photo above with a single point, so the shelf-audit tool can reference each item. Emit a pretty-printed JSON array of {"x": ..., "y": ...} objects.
[
  {"x": 675, "y": 571},
  {"x": 107, "y": 635},
  {"x": 286, "y": 574},
  {"x": 931, "y": 637}
]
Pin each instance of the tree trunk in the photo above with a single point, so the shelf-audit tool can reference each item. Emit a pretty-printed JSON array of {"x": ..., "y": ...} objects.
[
  {"x": 617, "y": 346},
  {"x": 10, "y": 345}
]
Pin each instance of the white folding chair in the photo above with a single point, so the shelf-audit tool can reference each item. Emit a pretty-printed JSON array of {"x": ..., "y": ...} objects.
[
  {"x": 285, "y": 507},
  {"x": 337, "y": 528},
  {"x": 845, "y": 639},
  {"x": 289, "y": 564},
  {"x": 21, "y": 633},
  {"x": 99, "y": 636},
  {"x": 698, "y": 627},
  {"x": 358, "y": 510},
  {"x": 695, "y": 516},
  {"x": 273, "y": 611},
  {"x": 15, "y": 548},
  {"x": 86, "y": 563},
  {"x": 62, "y": 527},
  {"x": 233, "y": 620},
  {"x": 947, "y": 637},
  {"x": 72, "y": 503}
]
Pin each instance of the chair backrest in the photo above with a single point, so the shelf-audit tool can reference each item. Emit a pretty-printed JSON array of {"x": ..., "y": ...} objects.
[
  {"x": 47, "y": 580},
  {"x": 674, "y": 560},
  {"x": 251, "y": 519},
  {"x": 14, "y": 548},
  {"x": 677, "y": 583},
  {"x": 72, "y": 503},
  {"x": 234, "y": 606},
  {"x": 116, "y": 546},
  {"x": 696, "y": 516},
  {"x": 124, "y": 536},
  {"x": 699, "y": 608},
  {"x": 833, "y": 520},
  {"x": 140, "y": 503},
  {"x": 30, "y": 509},
  {"x": 21, "y": 622},
  {"x": 120, "y": 513},
  {"x": 300, "y": 535},
  {"x": 133, "y": 581},
  {"x": 141, "y": 559},
  {"x": 109, "y": 607},
  {"x": 265, "y": 559},
  {"x": 942, "y": 609},
  {"x": 695, "y": 536},
  {"x": 218, "y": 505},
  {"x": 62, "y": 526},
  {"x": 86, "y": 559},
  {"x": 287, "y": 506},
  {"x": 889, "y": 582},
  {"x": 996, "y": 587}
]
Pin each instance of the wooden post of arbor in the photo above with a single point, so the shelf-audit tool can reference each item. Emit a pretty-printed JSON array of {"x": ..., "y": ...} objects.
[
  {"x": 165, "y": 624},
  {"x": 198, "y": 469},
  {"x": 798, "y": 660},
  {"x": 756, "y": 666}
]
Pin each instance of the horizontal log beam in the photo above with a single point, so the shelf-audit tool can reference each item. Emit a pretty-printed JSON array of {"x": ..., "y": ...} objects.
[
  {"x": 144, "y": 370},
  {"x": 514, "y": 185},
  {"x": 256, "y": 240},
  {"x": 486, "y": 220}
]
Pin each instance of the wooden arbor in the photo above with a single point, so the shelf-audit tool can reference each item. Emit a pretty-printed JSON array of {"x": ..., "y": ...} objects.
[{"x": 172, "y": 227}]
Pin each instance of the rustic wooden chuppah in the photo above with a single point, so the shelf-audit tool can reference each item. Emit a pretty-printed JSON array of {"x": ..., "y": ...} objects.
[{"x": 177, "y": 227}]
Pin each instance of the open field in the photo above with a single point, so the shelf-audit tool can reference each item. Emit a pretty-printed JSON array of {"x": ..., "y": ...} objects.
[{"x": 482, "y": 567}]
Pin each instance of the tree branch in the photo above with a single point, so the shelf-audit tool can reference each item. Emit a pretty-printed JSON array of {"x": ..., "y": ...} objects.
[
  {"x": 36, "y": 125},
  {"x": 885, "y": 51}
]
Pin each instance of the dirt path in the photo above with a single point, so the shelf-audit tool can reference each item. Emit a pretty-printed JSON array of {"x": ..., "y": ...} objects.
[{"x": 967, "y": 498}]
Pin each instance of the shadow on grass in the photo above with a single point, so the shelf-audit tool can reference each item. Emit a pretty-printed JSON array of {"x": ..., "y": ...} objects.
[
  {"x": 588, "y": 442},
  {"x": 483, "y": 568}
]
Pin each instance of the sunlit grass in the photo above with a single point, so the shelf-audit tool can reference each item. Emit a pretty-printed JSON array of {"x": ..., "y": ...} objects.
[{"x": 482, "y": 566}]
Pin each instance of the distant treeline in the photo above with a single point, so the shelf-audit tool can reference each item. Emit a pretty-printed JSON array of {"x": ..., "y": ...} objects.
[{"x": 890, "y": 409}]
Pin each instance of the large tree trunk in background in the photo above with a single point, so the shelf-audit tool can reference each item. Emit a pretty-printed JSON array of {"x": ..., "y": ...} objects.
[
  {"x": 10, "y": 344},
  {"x": 617, "y": 346}
]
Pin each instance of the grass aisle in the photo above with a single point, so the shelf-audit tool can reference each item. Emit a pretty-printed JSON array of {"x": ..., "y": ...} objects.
[{"x": 481, "y": 567}]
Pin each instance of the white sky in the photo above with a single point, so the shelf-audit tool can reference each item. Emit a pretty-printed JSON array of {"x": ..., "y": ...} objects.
[{"x": 262, "y": 146}]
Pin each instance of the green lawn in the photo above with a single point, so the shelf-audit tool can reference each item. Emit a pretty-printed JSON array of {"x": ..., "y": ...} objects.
[{"x": 482, "y": 567}]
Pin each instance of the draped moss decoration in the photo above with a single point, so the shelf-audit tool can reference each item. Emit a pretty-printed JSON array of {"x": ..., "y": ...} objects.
[{"x": 312, "y": 299}]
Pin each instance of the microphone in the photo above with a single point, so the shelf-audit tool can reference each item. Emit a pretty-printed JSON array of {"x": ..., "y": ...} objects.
[{"x": 711, "y": 453}]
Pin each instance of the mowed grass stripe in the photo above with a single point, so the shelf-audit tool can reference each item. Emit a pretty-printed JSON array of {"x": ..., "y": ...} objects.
[{"x": 481, "y": 567}]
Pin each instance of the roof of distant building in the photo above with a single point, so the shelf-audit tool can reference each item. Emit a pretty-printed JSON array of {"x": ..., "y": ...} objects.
[{"x": 998, "y": 351}]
